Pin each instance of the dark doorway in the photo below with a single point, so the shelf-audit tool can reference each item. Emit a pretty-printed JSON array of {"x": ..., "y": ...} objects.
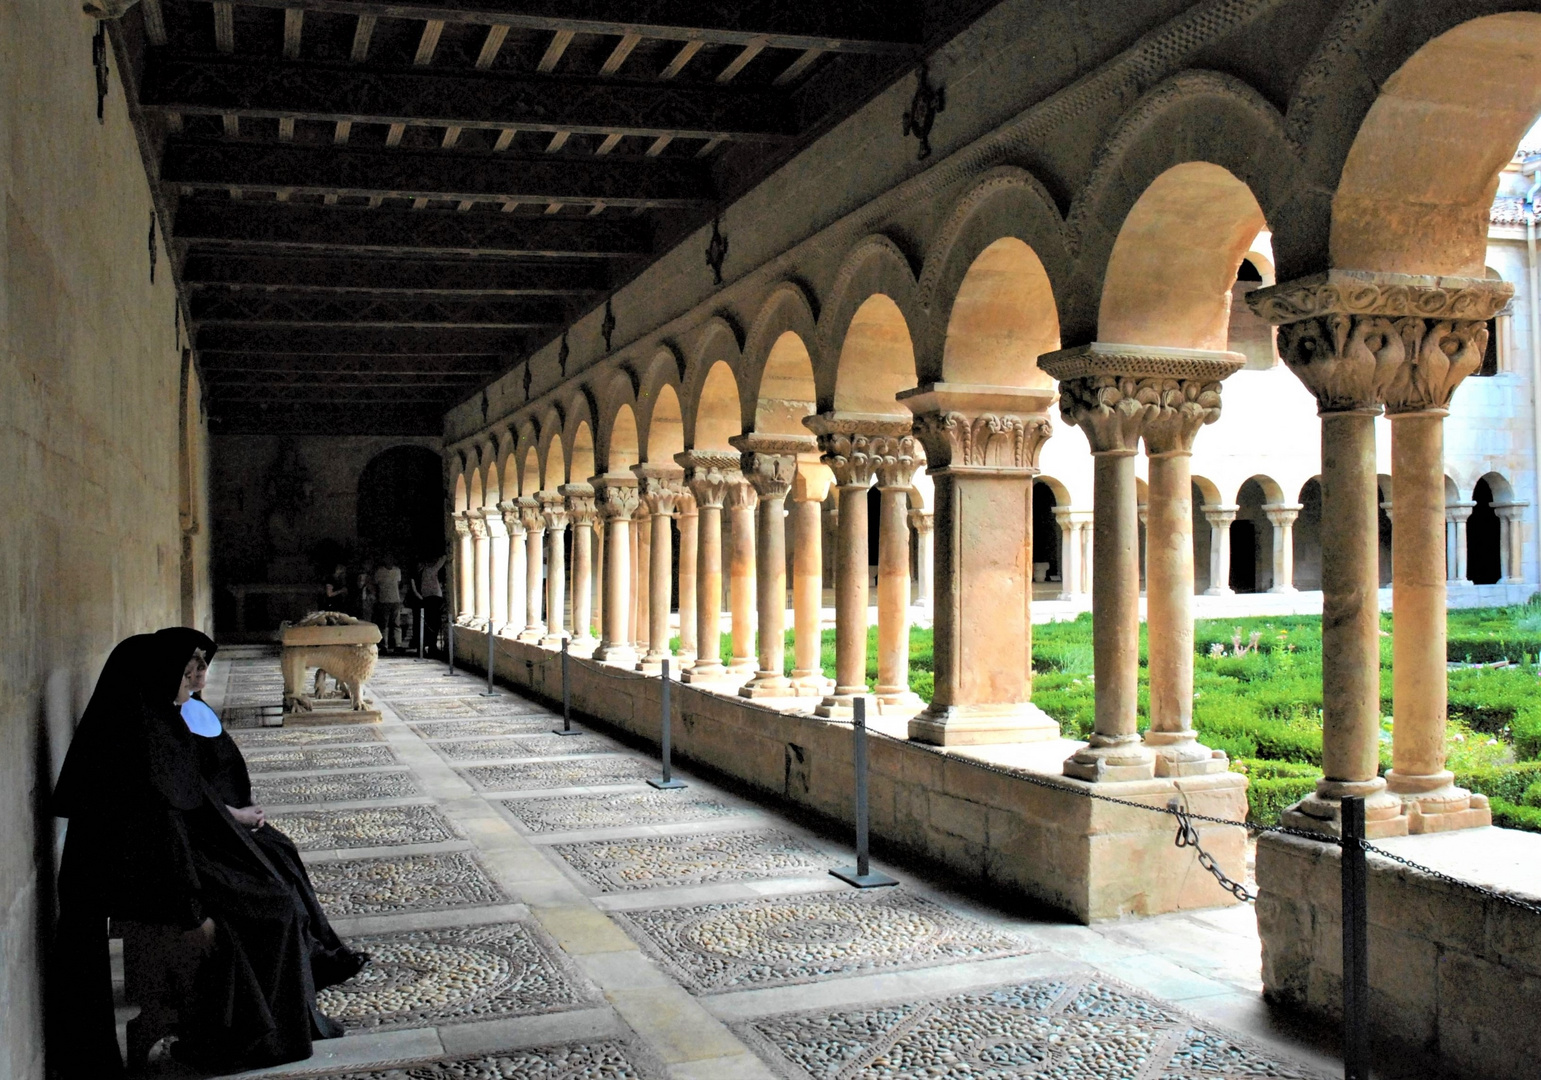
[
  {"x": 1243, "y": 556},
  {"x": 1484, "y": 565},
  {"x": 1046, "y": 535},
  {"x": 401, "y": 506}
]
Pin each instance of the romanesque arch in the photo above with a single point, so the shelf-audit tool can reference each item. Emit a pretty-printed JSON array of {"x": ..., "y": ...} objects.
[
  {"x": 873, "y": 298},
  {"x": 659, "y": 414},
  {"x": 787, "y": 314},
  {"x": 718, "y": 410},
  {"x": 876, "y": 360}
]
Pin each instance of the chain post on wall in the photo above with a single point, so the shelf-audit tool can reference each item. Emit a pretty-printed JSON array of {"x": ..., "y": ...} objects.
[
  {"x": 492, "y": 640},
  {"x": 1356, "y": 945},
  {"x": 567, "y": 694},
  {"x": 666, "y": 748},
  {"x": 861, "y": 875}
]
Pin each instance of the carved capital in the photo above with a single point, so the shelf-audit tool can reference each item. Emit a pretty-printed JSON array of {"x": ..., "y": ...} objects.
[
  {"x": 1359, "y": 340},
  {"x": 980, "y": 428},
  {"x": 854, "y": 446},
  {"x": 1459, "y": 511},
  {"x": 553, "y": 511},
  {"x": 618, "y": 500},
  {"x": 462, "y": 526},
  {"x": 812, "y": 482},
  {"x": 709, "y": 474},
  {"x": 771, "y": 474},
  {"x": 1108, "y": 409},
  {"x": 921, "y": 521},
  {"x": 1282, "y": 514},
  {"x": 530, "y": 514},
  {"x": 660, "y": 495},
  {"x": 1220, "y": 517},
  {"x": 1181, "y": 407},
  {"x": 1514, "y": 511},
  {"x": 492, "y": 521},
  {"x": 477, "y": 525},
  {"x": 685, "y": 504},
  {"x": 512, "y": 521},
  {"x": 740, "y": 495},
  {"x": 581, "y": 508}
]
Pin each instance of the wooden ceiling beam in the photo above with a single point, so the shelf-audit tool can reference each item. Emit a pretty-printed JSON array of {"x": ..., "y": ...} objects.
[
  {"x": 395, "y": 277},
  {"x": 412, "y": 174},
  {"x": 418, "y": 418},
  {"x": 362, "y": 341},
  {"x": 859, "y": 26},
  {"x": 263, "y": 87},
  {"x": 317, "y": 228},
  {"x": 282, "y": 365},
  {"x": 309, "y": 309}
]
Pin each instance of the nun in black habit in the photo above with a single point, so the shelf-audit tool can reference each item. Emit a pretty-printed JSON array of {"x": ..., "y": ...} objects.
[{"x": 150, "y": 840}]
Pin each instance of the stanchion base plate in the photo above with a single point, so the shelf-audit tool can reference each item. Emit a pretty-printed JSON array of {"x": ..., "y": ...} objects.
[
  {"x": 870, "y": 880},
  {"x": 572, "y": 731},
  {"x": 668, "y": 785},
  {"x": 488, "y": 693}
]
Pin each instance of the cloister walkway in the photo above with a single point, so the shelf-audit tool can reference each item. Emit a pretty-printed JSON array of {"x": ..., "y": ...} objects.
[{"x": 535, "y": 910}]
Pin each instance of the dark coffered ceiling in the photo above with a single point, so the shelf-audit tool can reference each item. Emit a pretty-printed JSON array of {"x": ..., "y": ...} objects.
[{"x": 377, "y": 207}]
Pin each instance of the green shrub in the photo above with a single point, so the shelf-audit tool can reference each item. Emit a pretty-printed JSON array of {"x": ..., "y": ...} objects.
[
  {"x": 1507, "y": 782},
  {"x": 1510, "y": 816},
  {"x": 1263, "y": 769},
  {"x": 1511, "y": 643},
  {"x": 1267, "y": 798},
  {"x": 1532, "y": 795}
]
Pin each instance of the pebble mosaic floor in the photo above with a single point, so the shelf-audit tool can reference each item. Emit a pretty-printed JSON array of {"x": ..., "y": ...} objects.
[{"x": 535, "y": 911}]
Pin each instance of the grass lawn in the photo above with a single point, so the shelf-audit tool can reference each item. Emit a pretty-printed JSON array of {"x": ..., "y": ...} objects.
[{"x": 1258, "y": 696}]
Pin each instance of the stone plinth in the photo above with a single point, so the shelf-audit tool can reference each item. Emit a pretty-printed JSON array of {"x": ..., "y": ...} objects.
[
  {"x": 1455, "y": 977},
  {"x": 346, "y": 651}
]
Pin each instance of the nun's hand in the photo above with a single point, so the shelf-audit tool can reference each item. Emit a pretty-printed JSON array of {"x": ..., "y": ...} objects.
[{"x": 250, "y": 816}]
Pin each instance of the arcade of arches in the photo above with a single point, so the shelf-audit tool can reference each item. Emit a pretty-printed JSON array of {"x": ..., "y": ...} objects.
[{"x": 947, "y": 380}]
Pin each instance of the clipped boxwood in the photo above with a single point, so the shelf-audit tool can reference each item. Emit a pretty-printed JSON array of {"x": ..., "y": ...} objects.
[
  {"x": 1506, "y": 782},
  {"x": 1266, "y": 799},
  {"x": 1489, "y": 648},
  {"x": 1510, "y": 816}
]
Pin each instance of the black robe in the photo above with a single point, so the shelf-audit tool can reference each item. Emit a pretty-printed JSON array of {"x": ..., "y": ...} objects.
[{"x": 150, "y": 840}]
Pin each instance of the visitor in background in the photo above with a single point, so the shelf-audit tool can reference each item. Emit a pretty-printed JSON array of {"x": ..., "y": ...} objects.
[
  {"x": 387, "y": 600},
  {"x": 433, "y": 600},
  {"x": 336, "y": 589},
  {"x": 365, "y": 586}
]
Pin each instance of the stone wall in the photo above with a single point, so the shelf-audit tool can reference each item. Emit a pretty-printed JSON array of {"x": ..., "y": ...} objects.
[
  {"x": 1452, "y": 974},
  {"x": 1091, "y": 860},
  {"x": 90, "y": 382}
]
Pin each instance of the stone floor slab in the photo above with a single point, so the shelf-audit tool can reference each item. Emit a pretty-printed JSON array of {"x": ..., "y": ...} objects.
[
  {"x": 452, "y": 707},
  {"x": 570, "y": 813},
  {"x": 611, "y": 1059},
  {"x": 371, "y": 826},
  {"x": 403, "y": 883},
  {"x": 528, "y": 745},
  {"x": 261, "y": 739},
  {"x": 715, "y": 947},
  {"x": 699, "y": 859},
  {"x": 561, "y": 773},
  {"x": 302, "y": 759},
  {"x": 473, "y": 727},
  {"x": 299, "y": 788}
]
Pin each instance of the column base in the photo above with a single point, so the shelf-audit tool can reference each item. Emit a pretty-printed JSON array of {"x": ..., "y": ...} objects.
[
  {"x": 651, "y": 663},
  {"x": 899, "y": 703},
  {"x": 553, "y": 641},
  {"x": 1283, "y": 590},
  {"x": 1179, "y": 753},
  {"x": 977, "y": 725},
  {"x": 838, "y": 706},
  {"x": 810, "y": 684},
  {"x": 1322, "y": 810},
  {"x": 1111, "y": 758},
  {"x": 1224, "y": 590},
  {"x": 704, "y": 674},
  {"x": 1433, "y": 803},
  {"x": 766, "y": 684},
  {"x": 743, "y": 668},
  {"x": 582, "y": 646},
  {"x": 619, "y": 655},
  {"x": 531, "y": 635}
]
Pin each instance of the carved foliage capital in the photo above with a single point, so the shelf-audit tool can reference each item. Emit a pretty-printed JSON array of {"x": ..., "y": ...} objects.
[
  {"x": 770, "y": 473},
  {"x": 530, "y": 514},
  {"x": 958, "y": 440},
  {"x": 857, "y": 459},
  {"x": 660, "y": 494},
  {"x": 512, "y": 519},
  {"x": 1111, "y": 409},
  {"x": 1178, "y": 408},
  {"x": 462, "y": 526},
  {"x": 617, "y": 502},
  {"x": 477, "y": 525},
  {"x": 581, "y": 508},
  {"x": 553, "y": 511},
  {"x": 740, "y": 495}
]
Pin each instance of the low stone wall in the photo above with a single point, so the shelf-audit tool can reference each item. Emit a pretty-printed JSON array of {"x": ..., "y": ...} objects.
[
  {"x": 1453, "y": 974},
  {"x": 1090, "y": 859}
]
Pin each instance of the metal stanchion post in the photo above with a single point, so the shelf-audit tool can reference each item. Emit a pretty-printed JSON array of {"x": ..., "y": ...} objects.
[
  {"x": 449, "y": 635},
  {"x": 667, "y": 783},
  {"x": 421, "y": 627},
  {"x": 567, "y": 697},
  {"x": 1356, "y": 945},
  {"x": 492, "y": 640},
  {"x": 861, "y": 875}
]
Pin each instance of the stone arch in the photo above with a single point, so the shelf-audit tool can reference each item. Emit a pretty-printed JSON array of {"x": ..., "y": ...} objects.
[
  {"x": 1005, "y": 203},
  {"x": 1252, "y": 534},
  {"x": 1001, "y": 320},
  {"x": 505, "y": 453},
  {"x": 1406, "y": 118},
  {"x": 553, "y": 459},
  {"x": 459, "y": 489},
  {"x": 660, "y": 387},
  {"x": 665, "y": 434},
  {"x": 492, "y": 488},
  {"x": 529, "y": 462},
  {"x": 1208, "y": 491},
  {"x": 718, "y": 412},
  {"x": 716, "y": 353},
  {"x": 622, "y": 449},
  {"x": 875, "y": 267},
  {"x": 582, "y": 454},
  {"x": 1195, "y": 118},
  {"x": 876, "y": 362},
  {"x": 474, "y": 496},
  {"x": 785, "y": 390},
  {"x": 786, "y": 311},
  {"x": 617, "y": 393}
]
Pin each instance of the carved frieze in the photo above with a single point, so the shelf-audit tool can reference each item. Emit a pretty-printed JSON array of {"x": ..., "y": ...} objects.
[{"x": 958, "y": 440}]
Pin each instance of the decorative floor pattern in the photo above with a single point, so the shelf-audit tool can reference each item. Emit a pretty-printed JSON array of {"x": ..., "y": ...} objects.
[
  {"x": 484, "y": 727},
  {"x": 313, "y": 736},
  {"x": 465, "y": 707},
  {"x": 424, "y": 689},
  {"x": 423, "y": 978},
  {"x": 336, "y": 787},
  {"x": 741, "y": 945},
  {"x": 661, "y": 862},
  {"x": 1049, "y": 1029},
  {"x": 371, "y": 826},
  {"x": 399, "y": 883},
  {"x": 579, "y": 772},
  {"x": 295, "y": 759},
  {"x": 609, "y": 1060},
  {"x": 524, "y": 746},
  {"x": 614, "y": 810}
]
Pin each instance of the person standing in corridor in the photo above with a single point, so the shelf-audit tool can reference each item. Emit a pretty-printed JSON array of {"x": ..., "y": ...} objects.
[{"x": 387, "y": 600}]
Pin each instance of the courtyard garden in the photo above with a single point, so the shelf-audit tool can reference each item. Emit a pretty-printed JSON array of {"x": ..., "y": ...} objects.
[{"x": 1258, "y": 696}]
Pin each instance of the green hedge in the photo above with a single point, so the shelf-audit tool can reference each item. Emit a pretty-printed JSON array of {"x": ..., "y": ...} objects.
[
  {"x": 1274, "y": 785},
  {"x": 1507, "y": 782},
  {"x": 1510, "y": 816},
  {"x": 1491, "y": 647}
]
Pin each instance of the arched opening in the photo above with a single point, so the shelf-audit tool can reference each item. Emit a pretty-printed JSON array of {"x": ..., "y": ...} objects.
[
  {"x": 877, "y": 360},
  {"x": 1252, "y": 536},
  {"x": 1249, "y": 334},
  {"x": 492, "y": 489},
  {"x": 1383, "y": 518},
  {"x": 1204, "y": 495},
  {"x": 1484, "y": 531},
  {"x": 460, "y": 493},
  {"x": 623, "y": 441},
  {"x": 1308, "y": 536},
  {"x": 719, "y": 414},
  {"x": 787, "y": 392},
  {"x": 1418, "y": 183},
  {"x": 1002, "y": 320},
  {"x": 1176, "y": 258},
  {"x": 1047, "y": 558},
  {"x": 556, "y": 465},
  {"x": 529, "y": 472},
  {"x": 400, "y": 505},
  {"x": 666, "y": 428},
  {"x": 583, "y": 453}
]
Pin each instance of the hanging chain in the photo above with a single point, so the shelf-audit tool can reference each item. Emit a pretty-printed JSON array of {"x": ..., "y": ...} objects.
[{"x": 1188, "y": 836}]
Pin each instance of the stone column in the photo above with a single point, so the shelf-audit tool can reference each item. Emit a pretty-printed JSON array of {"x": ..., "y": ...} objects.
[
  {"x": 895, "y": 471},
  {"x": 1511, "y": 539},
  {"x": 922, "y": 522},
  {"x": 642, "y": 527},
  {"x": 1450, "y": 559},
  {"x": 1282, "y": 517},
  {"x": 636, "y": 620},
  {"x": 514, "y": 573},
  {"x": 1358, "y": 340},
  {"x": 553, "y": 509},
  {"x": 481, "y": 597},
  {"x": 1109, "y": 391},
  {"x": 688, "y": 516},
  {"x": 1181, "y": 402},
  {"x": 709, "y": 475},
  {"x": 738, "y": 514},
  {"x": 851, "y": 447},
  {"x": 1070, "y": 553},
  {"x": 497, "y": 567},
  {"x": 770, "y": 464},
  {"x": 600, "y": 544},
  {"x": 534, "y": 565},
  {"x": 618, "y": 499},
  {"x": 1220, "y": 519},
  {"x": 1084, "y": 528},
  {"x": 981, "y": 445},
  {"x": 581, "y": 512},
  {"x": 809, "y": 490},
  {"x": 660, "y": 487},
  {"x": 465, "y": 571},
  {"x": 1459, "y": 513}
]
